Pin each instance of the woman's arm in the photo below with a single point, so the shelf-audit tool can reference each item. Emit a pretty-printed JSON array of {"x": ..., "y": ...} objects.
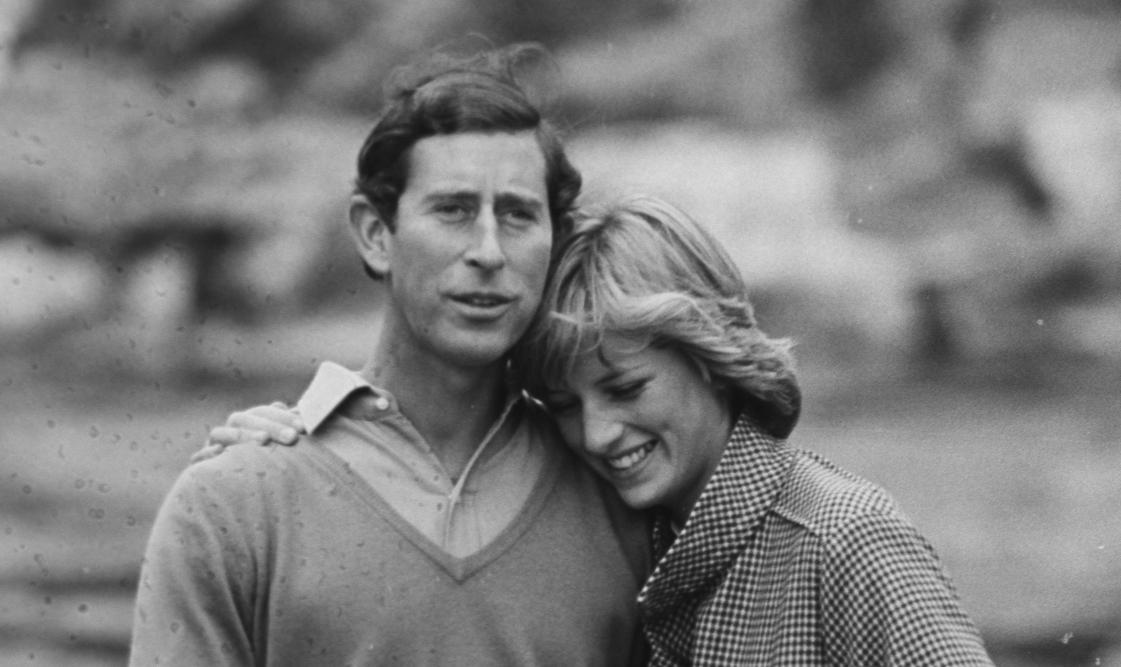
[{"x": 887, "y": 601}]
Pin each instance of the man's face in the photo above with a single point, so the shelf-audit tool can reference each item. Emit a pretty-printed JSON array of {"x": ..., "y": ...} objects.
[{"x": 469, "y": 253}]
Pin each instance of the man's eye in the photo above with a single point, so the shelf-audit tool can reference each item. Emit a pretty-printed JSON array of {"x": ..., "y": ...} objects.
[
  {"x": 453, "y": 212},
  {"x": 519, "y": 217}
]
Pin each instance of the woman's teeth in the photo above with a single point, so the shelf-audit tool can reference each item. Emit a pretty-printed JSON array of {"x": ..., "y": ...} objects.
[{"x": 631, "y": 458}]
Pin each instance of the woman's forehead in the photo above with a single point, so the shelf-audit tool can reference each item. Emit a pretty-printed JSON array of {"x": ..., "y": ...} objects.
[{"x": 613, "y": 355}]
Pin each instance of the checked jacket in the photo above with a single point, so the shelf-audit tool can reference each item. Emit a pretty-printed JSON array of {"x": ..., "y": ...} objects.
[{"x": 788, "y": 560}]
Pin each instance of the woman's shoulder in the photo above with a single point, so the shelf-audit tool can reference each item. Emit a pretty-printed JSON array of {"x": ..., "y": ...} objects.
[{"x": 825, "y": 498}]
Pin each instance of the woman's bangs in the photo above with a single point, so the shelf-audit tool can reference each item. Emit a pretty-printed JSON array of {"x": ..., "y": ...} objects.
[
  {"x": 563, "y": 340},
  {"x": 579, "y": 314}
]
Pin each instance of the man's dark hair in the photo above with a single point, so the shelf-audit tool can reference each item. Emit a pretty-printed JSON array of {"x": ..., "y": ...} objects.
[{"x": 449, "y": 95}]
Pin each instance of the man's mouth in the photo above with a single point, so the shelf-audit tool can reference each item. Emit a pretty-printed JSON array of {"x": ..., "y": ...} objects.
[
  {"x": 482, "y": 300},
  {"x": 630, "y": 459}
]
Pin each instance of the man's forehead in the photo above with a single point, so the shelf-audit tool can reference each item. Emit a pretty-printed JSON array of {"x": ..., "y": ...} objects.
[{"x": 470, "y": 154}]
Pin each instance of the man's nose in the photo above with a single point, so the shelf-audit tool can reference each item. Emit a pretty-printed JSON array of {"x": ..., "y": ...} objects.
[{"x": 486, "y": 247}]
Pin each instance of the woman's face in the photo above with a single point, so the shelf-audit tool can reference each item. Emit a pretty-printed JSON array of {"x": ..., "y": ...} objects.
[{"x": 646, "y": 420}]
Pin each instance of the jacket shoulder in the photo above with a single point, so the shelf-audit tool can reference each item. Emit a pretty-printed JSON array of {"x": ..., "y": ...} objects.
[{"x": 825, "y": 498}]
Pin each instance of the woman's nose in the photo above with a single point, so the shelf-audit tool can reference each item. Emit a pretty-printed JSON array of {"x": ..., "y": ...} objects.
[{"x": 600, "y": 431}]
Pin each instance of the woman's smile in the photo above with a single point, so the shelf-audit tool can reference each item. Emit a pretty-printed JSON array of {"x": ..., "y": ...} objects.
[
  {"x": 629, "y": 460},
  {"x": 645, "y": 419}
]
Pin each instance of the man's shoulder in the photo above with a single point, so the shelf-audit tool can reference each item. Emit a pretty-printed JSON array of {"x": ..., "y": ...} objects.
[{"x": 239, "y": 469}]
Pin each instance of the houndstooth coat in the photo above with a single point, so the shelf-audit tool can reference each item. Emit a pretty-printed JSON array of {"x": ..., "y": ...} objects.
[{"x": 788, "y": 560}]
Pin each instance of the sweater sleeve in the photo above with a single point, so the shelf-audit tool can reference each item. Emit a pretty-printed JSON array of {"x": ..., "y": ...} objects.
[
  {"x": 887, "y": 601},
  {"x": 195, "y": 600}
]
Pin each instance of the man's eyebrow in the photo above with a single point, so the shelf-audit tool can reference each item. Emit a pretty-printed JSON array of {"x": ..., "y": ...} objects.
[
  {"x": 461, "y": 195},
  {"x": 518, "y": 199}
]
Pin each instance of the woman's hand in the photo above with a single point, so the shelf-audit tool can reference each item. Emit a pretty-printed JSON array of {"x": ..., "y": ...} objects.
[{"x": 264, "y": 424}]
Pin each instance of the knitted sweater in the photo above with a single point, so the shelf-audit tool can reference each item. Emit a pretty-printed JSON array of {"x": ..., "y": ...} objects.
[{"x": 283, "y": 556}]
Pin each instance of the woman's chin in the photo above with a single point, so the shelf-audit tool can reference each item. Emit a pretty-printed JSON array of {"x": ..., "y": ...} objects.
[{"x": 640, "y": 497}]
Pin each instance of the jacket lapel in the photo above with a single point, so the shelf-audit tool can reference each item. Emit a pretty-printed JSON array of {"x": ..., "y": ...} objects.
[{"x": 751, "y": 473}]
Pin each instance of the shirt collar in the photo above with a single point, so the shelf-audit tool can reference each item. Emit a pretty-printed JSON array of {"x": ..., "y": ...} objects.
[{"x": 331, "y": 385}]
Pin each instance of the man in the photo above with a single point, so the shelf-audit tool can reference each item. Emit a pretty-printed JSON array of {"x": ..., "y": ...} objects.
[{"x": 434, "y": 517}]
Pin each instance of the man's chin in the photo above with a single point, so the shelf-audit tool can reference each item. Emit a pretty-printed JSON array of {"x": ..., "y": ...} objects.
[{"x": 482, "y": 351}]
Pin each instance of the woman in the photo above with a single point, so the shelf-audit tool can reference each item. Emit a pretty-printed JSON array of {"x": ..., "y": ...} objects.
[{"x": 648, "y": 356}]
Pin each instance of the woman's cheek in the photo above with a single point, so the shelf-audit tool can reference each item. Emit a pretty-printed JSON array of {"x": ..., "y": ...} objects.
[{"x": 569, "y": 428}]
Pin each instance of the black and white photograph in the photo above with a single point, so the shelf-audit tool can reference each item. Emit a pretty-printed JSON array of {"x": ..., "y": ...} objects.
[{"x": 654, "y": 333}]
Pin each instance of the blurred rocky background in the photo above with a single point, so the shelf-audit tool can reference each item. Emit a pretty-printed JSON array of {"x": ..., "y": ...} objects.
[{"x": 924, "y": 194}]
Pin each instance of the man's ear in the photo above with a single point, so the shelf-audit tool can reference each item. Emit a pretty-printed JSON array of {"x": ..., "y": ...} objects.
[{"x": 371, "y": 234}]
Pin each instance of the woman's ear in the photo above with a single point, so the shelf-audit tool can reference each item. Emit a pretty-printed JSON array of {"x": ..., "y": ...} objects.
[{"x": 372, "y": 235}]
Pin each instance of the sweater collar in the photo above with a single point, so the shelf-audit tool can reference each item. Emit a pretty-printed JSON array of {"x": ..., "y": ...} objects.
[{"x": 744, "y": 485}]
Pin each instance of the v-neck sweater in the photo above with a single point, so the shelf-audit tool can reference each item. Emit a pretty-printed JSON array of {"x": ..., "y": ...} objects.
[
  {"x": 363, "y": 424},
  {"x": 284, "y": 556}
]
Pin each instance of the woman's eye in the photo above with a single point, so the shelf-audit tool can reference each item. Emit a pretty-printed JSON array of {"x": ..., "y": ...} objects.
[
  {"x": 628, "y": 390},
  {"x": 561, "y": 406}
]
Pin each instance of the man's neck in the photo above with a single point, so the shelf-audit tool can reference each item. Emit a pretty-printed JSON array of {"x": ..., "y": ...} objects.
[{"x": 451, "y": 407}]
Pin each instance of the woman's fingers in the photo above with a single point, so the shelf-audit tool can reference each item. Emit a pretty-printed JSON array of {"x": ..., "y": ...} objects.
[
  {"x": 280, "y": 423},
  {"x": 263, "y": 424},
  {"x": 225, "y": 436}
]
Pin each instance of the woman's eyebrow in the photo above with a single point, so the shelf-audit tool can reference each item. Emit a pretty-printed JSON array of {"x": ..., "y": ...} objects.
[{"x": 612, "y": 375}]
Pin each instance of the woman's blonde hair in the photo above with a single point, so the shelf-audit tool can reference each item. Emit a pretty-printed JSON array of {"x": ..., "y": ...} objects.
[{"x": 642, "y": 269}]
